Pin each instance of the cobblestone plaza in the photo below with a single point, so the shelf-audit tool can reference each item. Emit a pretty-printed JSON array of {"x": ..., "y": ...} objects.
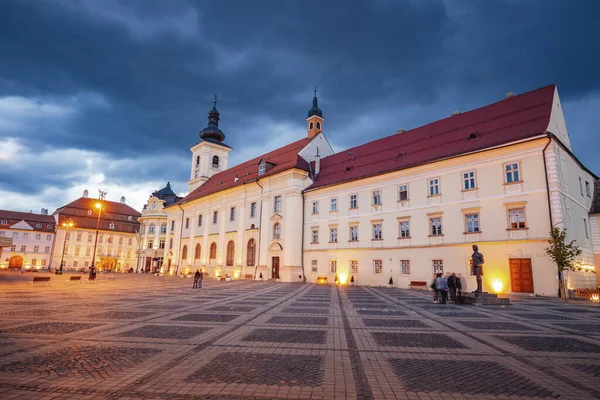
[{"x": 143, "y": 336}]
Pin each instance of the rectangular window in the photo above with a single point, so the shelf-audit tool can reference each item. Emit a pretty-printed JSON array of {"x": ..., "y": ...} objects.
[
  {"x": 151, "y": 227},
  {"x": 580, "y": 186},
  {"x": 85, "y": 264},
  {"x": 36, "y": 249},
  {"x": 172, "y": 225},
  {"x": 353, "y": 201},
  {"x": 90, "y": 237},
  {"x": 469, "y": 180},
  {"x": 353, "y": 233},
  {"x": 511, "y": 172},
  {"x": 215, "y": 217},
  {"x": 354, "y": 266},
  {"x": 405, "y": 267},
  {"x": 376, "y": 197},
  {"x": 314, "y": 267},
  {"x": 88, "y": 252},
  {"x": 110, "y": 239},
  {"x": 200, "y": 220},
  {"x": 101, "y": 238},
  {"x": 252, "y": 210},
  {"x": 588, "y": 189},
  {"x": 47, "y": 249},
  {"x": 25, "y": 235},
  {"x": 402, "y": 192},
  {"x": 109, "y": 251},
  {"x": 516, "y": 218},
  {"x": 434, "y": 186},
  {"x": 163, "y": 229},
  {"x": 438, "y": 266},
  {"x": 13, "y": 248},
  {"x": 472, "y": 222},
  {"x": 315, "y": 207},
  {"x": 187, "y": 223},
  {"x": 38, "y": 236},
  {"x": 2, "y": 233},
  {"x": 23, "y": 248},
  {"x": 262, "y": 168},
  {"x": 161, "y": 244},
  {"x": 150, "y": 244},
  {"x": 34, "y": 262},
  {"x": 232, "y": 214},
  {"x": 404, "y": 229},
  {"x": 16, "y": 235},
  {"x": 130, "y": 241},
  {"x": 377, "y": 234},
  {"x": 315, "y": 236},
  {"x": 277, "y": 204},
  {"x": 120, "y": 241},
  {"x": 48, "y": 237},
  {"x": 79, "y": 237},
  {"x": 75, "y": 264},
  {"x": 333, "y": 235},
  {"x": 333, "y": 206},
  {"x": 43, "y": 261},
  {"x": 587, "y": 235},
  {"x": 77, "y": 251},
  {"x": 378, "y": 267},
  {"x": 436, "y": 226},
  {"x": 333, "y": 267}
]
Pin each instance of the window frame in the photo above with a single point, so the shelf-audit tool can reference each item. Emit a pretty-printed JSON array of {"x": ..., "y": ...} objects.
[
  {"x": 355, "y": 201},
  {"x": 378, "y": 264},
  {"x": 314, "y": 266},
  {"x": 354, "y": 267},
  {"x": 508, "y": 215},
  {"x": 276, "y": 231},
  {"x": 232, "y": 214},
  {"x": 333, "y": 266},
  {"x": 585, "y": 226},
  {"x": 432, "y": 231},
  {"x": 215, "y": 217},
  {"x": 476, "y": 221},
  {"x": 519, "y": 172},
  {"x": 377, "y": 230},
  {"x": 436, "y": 185},
  {"x": 277, "y": 204},
  {"x": 469, "y": 180},
  {"x": 333, "y": 204},
  {"x": 315, "y": 207},
  {"x": 404, "y": 267},
  {"x": 403, "y": 191},
  {"x": 352, "y": 228},
  {"x": 376, "y": 197},
  {"x": 314, "y": 236},
  {"x": 401, "y": 234},
  {"x": 333, "y": 235},
  {"x": 588, "y": 189},
  {"x": 437, "y": 266},
  {"x": 253, "y": 210}
]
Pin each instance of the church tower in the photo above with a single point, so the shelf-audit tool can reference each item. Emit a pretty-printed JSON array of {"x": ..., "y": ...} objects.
[
  {"x": 210, "y": 156},
  {"x": 315, "y": 118}
]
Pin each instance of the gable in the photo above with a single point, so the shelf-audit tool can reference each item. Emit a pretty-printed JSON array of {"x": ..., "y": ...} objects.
[{"x": 22, "y": 225}]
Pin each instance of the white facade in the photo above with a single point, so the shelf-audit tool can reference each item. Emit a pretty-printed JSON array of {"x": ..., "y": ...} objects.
[
  {"x": 32, "y": 246},
  {"x": 208, "y": 159},
  {"x": 153, "y": 236}
]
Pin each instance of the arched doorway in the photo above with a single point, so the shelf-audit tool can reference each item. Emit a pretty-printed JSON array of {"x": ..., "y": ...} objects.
[
  {"x": 275, "y": 251},
  {"x": 15, "y": 262}
]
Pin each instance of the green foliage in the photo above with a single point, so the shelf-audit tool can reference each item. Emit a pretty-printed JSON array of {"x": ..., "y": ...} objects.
[{"x": 561, "y": 252}]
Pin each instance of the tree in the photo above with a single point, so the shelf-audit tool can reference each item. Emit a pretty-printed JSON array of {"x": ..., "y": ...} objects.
[{"x": 563, "y": 254}]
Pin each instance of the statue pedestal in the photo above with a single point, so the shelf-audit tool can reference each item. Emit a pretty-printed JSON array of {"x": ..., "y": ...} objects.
[{"x": 485, "y": 299}]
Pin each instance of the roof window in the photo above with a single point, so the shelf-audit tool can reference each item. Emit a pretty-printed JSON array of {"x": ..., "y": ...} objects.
[
  {"x": 38, "y": 225},
  {"x": 111, "y": 226},
  {"x": 474, "y": 135},
  {"x": 262, "y": 168},
  {"x": 129, "y": 218},
  {"x": 4, "y": 222},
  {"x": 89, "y": 212}
]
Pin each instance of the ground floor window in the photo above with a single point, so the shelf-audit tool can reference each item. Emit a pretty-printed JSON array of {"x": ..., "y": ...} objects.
[
  {"x": 378, "y": 267},
  {"x": 333, "y": 267},
  {"x": 405, "y": 267},
  {"x": 354, "y": 266},
  {"x": 438, "y": 266},
  {"x": 314, "y": 265}
]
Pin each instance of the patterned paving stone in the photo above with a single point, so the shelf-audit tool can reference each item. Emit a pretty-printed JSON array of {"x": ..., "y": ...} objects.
[
  {"x": 232, "y": 308},
  {"x": 550, "y": 316},
  {"x": 389, "y": 313},
  {"x": 590, "y": 369},
  {"x": 161, "y": 306},
  {"x": 461, "y": 314},
  {"x": 34, "y": 313},
  {"x": 470, "y": 377},
  {"x": 52, "y": 328},
  {"x": 82, "y": 361},
  {"x": 594, "y": 312},
  {"x": 286, "y": 336},
  {"x": 119, "y": 315},
  {"x": 433, "y": 340},
  {"x": 307, "y": 310},
  {"x": 165, "y": 332},
  {"x": 551, "y": 343},
  {"x": 262, "y": 369},
  {"x": 281, "y": 319},
  {"x": 588, "y": 328},
  {"x": 394, "y": 323},
  {"x": 206, "y": 317},
  {"x": 495, "y": 325}
]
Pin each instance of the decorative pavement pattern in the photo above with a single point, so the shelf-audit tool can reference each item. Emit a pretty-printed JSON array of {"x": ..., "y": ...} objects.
[{"x": 148, "y": 337}]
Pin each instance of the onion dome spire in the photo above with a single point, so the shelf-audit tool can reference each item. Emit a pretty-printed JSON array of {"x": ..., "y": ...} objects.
[
  {"x": 315, "y": 110},
  {"x": 212, "y": 133}
]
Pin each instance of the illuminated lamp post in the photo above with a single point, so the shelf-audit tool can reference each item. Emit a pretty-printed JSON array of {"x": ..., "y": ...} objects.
[
  {"x": 99, "y": 207},
  {"x": 68, "y": 224}
]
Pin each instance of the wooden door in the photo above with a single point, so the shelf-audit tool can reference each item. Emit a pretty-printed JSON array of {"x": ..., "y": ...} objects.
[
  {"x": 15, "y": 262},
  {"x": 275, "y": 270},
  {"x": 521, "y": 275}
]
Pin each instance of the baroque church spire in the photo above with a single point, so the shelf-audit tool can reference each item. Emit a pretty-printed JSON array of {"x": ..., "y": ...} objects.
[{"x": 212, "y": 133}]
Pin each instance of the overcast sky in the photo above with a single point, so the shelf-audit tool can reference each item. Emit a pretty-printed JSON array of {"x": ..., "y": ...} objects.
[{"x": 107, "y": 94}]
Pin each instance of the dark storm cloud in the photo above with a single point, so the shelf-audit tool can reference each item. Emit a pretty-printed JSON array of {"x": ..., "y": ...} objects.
[{"x": 136, "y": 78}]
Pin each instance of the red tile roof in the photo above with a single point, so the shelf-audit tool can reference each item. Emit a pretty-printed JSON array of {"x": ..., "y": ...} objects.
[
  {"x": 509, "y": 120},
  {"x": 596, "y": 200},
  {"x": 13, "y": 217},
  {"x": 283, "y": 158},
  {"x": 112, "y": 212}
]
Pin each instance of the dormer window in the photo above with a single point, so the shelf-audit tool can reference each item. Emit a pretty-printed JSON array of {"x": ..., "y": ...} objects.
[
  {"x": 89, "y": 212},
  {"x": 262, "y": 168},
  {"x": 4, "y": 222},
  {"x": 129, "y": 218},
  {"x": 38, "y": 225},
  {"x": 215, "y": 161},
  {"x": 111, "y": 226}
]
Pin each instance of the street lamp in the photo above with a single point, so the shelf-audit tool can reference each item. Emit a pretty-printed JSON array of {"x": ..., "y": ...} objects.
[
  {"x": 68, "y": 224},
  {"x": 99, "y": 207}
]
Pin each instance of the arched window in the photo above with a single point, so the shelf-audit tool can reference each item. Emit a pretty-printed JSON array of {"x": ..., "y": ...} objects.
[
  {"x": 197, "y": 252},
  {"x": 213, "y": 251},
  {"x": 151, "y": 228},
  {"x": 197, "y": 160},
  {"x": 184, "y": 253},
  {"x": 215, "y": 162},
  {"x": 311, "y": 125},
  {"x": 276, "y": 231},
  {"x": 251, "y": 253},
  {"x": 230, "y": 252},
  {"x": 171, "y": 243},
  {"x": 318, "y": 125}
]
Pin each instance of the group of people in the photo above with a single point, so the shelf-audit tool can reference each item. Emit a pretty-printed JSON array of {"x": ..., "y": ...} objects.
[
  {"x": 442, "y": 287},
  {"x": 198, "y": 277}
]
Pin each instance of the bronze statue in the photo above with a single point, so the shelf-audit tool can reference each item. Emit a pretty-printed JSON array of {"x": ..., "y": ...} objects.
[{"x": 477, "y": 263}]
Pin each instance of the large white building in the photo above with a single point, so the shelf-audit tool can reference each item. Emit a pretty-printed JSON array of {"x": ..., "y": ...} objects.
[
  {"x": 402, "y": 207},
  {"x": 32, "y": 238}
]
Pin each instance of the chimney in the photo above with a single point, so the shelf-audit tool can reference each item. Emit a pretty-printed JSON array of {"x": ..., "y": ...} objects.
[
  {"x": 85, "y": 194},
  {"x": 122, "y": 199},
  {"x": 400, "y": 131},
  {"x": 509, "y": 95},
  {"x": 317, "y": 162},
  {"x": 44, "y": 211},
  {"x": 456, "y": 112}
]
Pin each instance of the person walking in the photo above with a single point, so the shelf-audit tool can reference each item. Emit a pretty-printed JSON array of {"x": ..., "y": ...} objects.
[
  {"x": 435, "y": 291},
  {"x": 442, "y": 285},
  {"x": 458, "y": 285},
  {"x": 196, "y": 279},
  {"x": 452, "y": 287},
  {"x": 200, "y": 279}
]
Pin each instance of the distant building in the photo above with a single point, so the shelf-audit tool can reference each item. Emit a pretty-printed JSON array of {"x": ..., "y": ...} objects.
[
  {"x": 118, "y": 229},
  {"x": 32, "y": 238},
  {"x": 595, "y": 229},
  {"x": 153, "y": 229}
]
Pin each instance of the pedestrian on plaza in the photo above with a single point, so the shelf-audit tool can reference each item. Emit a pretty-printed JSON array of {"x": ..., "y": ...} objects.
[
  {"x": 435, "y": 291},
  {"x": 458, "y": 285},
  {"x": 196, "y": 279},
  {"x": 442, "y": 285},
  {"x": 452, "y": 287},
  {"x": 200, "y": 279}
]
